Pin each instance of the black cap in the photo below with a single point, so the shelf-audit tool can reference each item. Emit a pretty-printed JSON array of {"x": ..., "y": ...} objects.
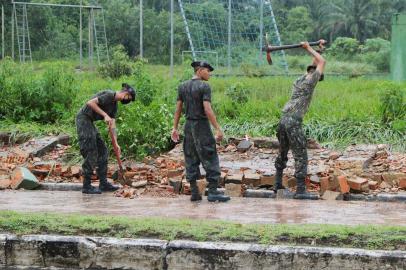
[
  {"x": 130, "y": 90},
  {"x": 202, "y": 64}
]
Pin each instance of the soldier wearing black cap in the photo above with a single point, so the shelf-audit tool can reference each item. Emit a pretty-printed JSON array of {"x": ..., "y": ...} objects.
[
  {"x": 102, "y": 106},
  {"x": 199, "y": 145}
]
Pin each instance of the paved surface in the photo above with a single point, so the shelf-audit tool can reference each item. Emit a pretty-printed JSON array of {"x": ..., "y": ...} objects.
[{"x": 243, "y": 210}]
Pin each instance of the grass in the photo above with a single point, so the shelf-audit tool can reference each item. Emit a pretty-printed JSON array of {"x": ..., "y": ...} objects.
[
  {"x": 361, "y": 236},
  {"x": 343, "y": 110}
]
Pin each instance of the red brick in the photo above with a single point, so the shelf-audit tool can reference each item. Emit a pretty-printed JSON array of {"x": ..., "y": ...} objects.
[
  {"x": 402, "y": 183},
  {"x": 253, "y": 179},
  {"x": 234, "y": 178},
  {"x": 201, "y": 184},
  {"x": 324, "y": 184},
  {"x": 233, "y": 190},
  {"x": 358, "y": 184},
  {"x": 5, "y": 182},
  {"x": 267, "y": 179},
  {"x": 23, "y": 178},
  {"x": 174, "y": 173},
  {"x": 342, "y": 181}
]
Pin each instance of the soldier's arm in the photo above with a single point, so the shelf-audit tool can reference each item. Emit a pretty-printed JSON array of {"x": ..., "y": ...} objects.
[
  {"x": 318, "y": 60},
  {"x": 176, "y": 117},
  {"x": 94, "y": 105},
  {"x": 213, "y": 120}
]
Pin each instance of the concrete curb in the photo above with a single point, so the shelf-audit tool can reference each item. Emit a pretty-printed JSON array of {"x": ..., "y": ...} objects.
[
  {"x": 63, "y": 252},
  {"x": 249, "y": 193}
]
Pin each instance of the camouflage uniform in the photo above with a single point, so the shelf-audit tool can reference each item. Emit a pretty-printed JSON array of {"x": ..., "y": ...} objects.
[
  {"x": 290, "y": 132},
  {"x": 92, "y": 147},
  {"x": 199, "y": 145}
]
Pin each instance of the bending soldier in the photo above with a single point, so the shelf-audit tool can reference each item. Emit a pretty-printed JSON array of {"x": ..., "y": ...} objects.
[{"x": 102, "y": 106}]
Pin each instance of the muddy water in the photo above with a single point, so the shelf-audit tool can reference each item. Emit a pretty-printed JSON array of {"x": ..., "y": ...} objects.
[{"x": 243, "y": 210}]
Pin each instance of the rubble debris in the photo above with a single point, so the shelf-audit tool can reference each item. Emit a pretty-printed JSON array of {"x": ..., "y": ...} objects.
[
  {"x": 234, "y": 178},
  {"x": 233, "y": 190},
  {"x": 253, "y": 179},
  {"x": 23, "y": 178},
  {"x": 5, "y": 181},
  {"x": 358, "y": 184},
  {"x": 330, "y": 195},
  {"x": 244, "y": 146}
]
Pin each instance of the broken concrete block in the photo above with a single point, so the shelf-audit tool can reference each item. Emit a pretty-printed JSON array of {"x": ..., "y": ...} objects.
[
  {"x": 384, "y": 185},
  {"x": 267, "y": 180},
  {"x": 252, "y": 179},
  {"x": 176, "y": 184},
  {"x": 393, "y": 178},
  {"x": 334, "y": 155},
  {"x": 264, "y": 142},
  {"x": 343, "y": 182},
  {"x": 244, "y": 146},
  {"x": 233, "y": 190},
  {"x": 64, "y": 139},
  {"x": 315, "y": 179},
  {"x": 201, "y": 185},
  {"x": 358, "y": 184},
  {"x": 330, "y": 195},
  {"x": 4, "y": 181},
  {"x": 373, "y": 185},
  {"x": 234, "y": 178},
  {"x": 23, "y": 178},
  {"x": 138, "y": 184}
]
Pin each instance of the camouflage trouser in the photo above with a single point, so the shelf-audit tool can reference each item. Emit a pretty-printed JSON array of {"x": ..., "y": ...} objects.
[
  {"x": 92, "y": 148},
  {"x": 199, "y": 146},
  {"x": 291, "y": 136}
]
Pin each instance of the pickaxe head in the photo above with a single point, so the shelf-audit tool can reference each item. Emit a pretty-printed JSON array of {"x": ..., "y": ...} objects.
[{"x": 268, "y": 52}]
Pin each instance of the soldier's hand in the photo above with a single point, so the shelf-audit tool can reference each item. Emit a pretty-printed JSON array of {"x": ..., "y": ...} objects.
[
  {"x": 175, "y": 135},
  {"x": 119, "y": 151},
  {"x": 305, "y": 45},
  {"x": 108, "y": 120},
  {"x": 219, "y": 135}
]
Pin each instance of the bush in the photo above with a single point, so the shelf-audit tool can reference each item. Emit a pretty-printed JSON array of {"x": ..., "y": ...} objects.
[
  {"x": 393, "y": 106},
  {"x": 120, "y": 64},
  {"x": 42, "y": 98},
  {"x": 344, "y": 48},
  {"x": 146, "y": 89},
  {"x": 144, "y": 130},
  {"x": 377, "y": 51},
  {"x": 238, "y": 93}
]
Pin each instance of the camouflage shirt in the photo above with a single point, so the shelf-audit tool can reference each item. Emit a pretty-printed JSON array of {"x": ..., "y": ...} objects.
[
  {"x": 303, "y": 89},
  {"x": 192, "y": 93},
  {"x": 106, "y": 102}
]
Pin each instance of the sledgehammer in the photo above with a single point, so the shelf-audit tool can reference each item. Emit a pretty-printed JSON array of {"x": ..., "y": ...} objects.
[{"x": 268, "y": 48}]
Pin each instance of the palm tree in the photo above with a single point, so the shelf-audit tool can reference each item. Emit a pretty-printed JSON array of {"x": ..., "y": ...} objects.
[{"x": 355, "y": 17}]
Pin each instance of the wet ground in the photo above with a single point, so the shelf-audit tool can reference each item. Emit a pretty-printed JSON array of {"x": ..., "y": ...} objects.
[{"x": 243, "y": 210}]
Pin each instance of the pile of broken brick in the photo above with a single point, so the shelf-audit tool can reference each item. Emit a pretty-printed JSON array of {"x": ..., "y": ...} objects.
[{"x": 363, "y": 169}]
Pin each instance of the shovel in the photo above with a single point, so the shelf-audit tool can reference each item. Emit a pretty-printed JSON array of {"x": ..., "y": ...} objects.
[{"x": 118, "y": 175}]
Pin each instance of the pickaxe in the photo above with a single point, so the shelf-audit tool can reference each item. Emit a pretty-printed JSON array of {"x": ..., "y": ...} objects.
[{"x": 268, "y": 48}]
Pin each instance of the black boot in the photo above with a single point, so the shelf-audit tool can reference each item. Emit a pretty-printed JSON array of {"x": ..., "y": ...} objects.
[
  {"x": 106, "y": 186},
  {"x": 195, "y": 192},
  {"x": 278, "y": 181},
  {"x": 302, "y": 194},
  {"x": 215, "y": 195},
  {"x": 88, "y": 188}
]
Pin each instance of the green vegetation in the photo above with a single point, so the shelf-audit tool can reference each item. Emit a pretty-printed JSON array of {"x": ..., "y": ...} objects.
[
  {"x": 46, "y": 98},
  {"x": 54, "y": 31},
  {"x": 361, "y": 236}
]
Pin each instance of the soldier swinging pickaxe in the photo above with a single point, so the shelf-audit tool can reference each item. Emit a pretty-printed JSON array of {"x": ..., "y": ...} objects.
[{"x": 268, "y": 48}]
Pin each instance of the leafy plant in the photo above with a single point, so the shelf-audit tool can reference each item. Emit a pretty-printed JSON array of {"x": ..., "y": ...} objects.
[{"x": 120, "y": 64}]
